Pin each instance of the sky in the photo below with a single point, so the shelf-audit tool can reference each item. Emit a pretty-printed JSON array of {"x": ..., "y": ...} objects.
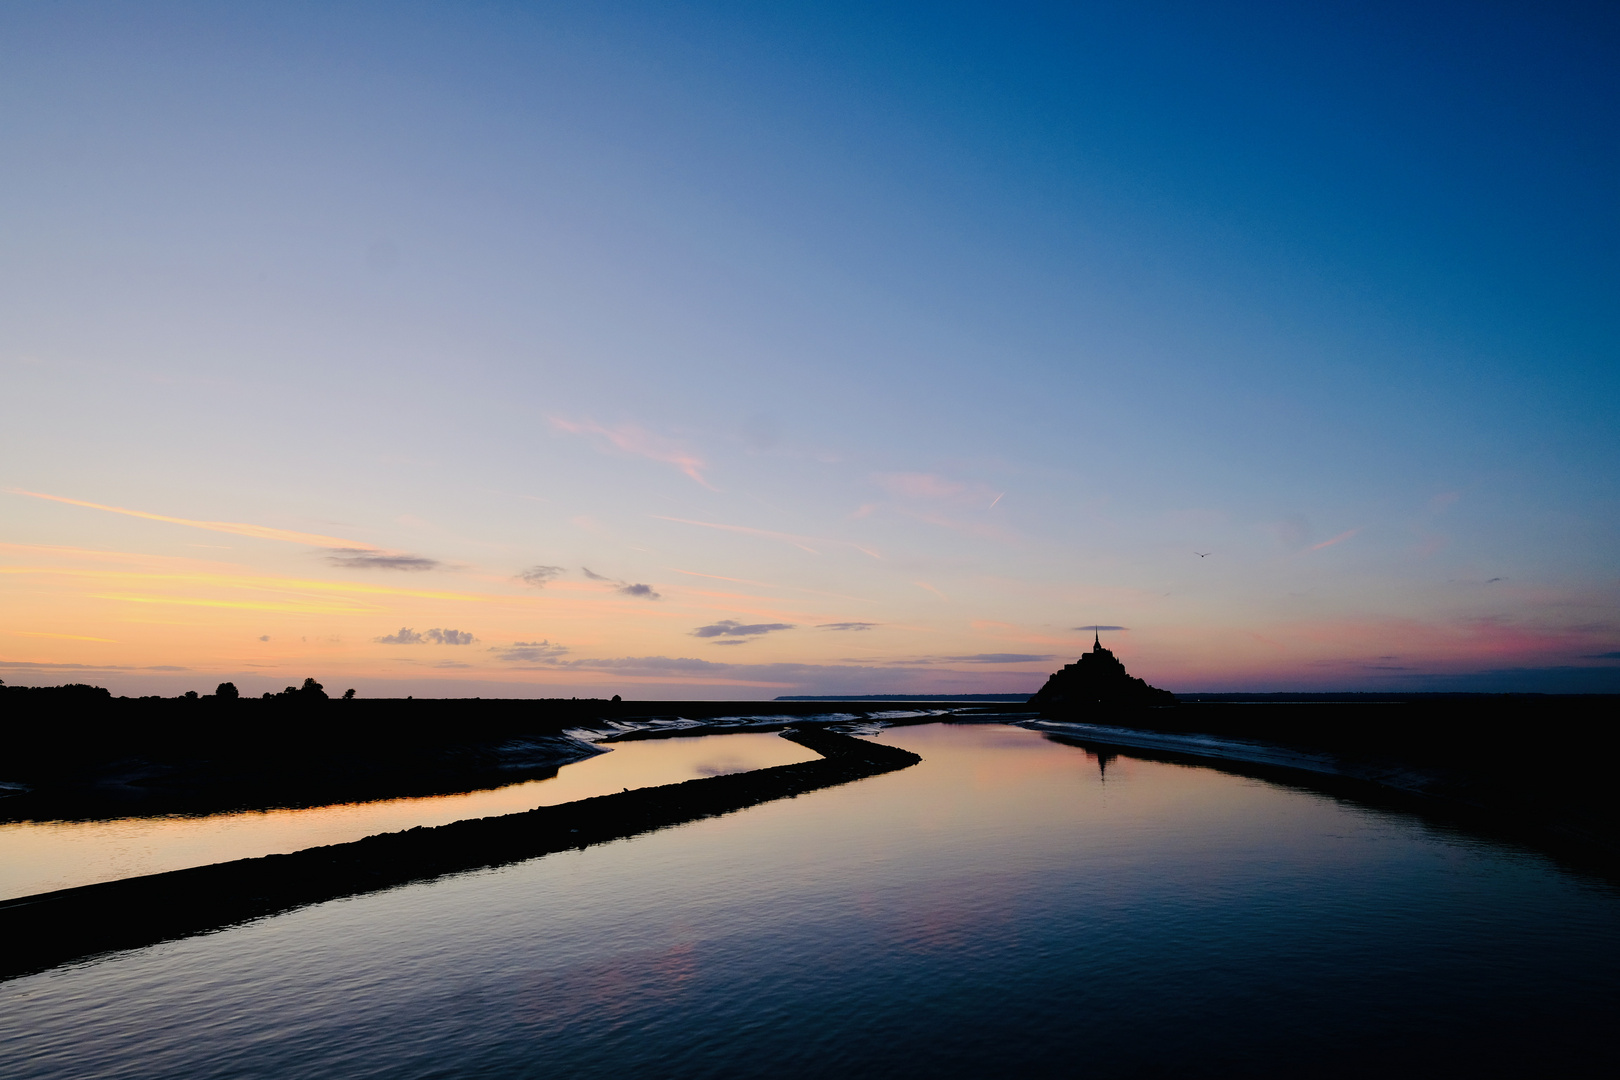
[{"x": 729, "y": 350}]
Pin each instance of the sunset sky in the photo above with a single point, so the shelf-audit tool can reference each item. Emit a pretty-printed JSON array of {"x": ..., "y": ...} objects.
[{"x": 735, "y": 350}]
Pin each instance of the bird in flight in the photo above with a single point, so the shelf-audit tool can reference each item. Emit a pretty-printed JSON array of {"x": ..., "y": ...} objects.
[{"x": 1202, "y": 554}]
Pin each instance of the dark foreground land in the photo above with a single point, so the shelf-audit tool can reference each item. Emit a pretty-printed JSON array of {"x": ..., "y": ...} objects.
[{"x": 52, "y": 928}]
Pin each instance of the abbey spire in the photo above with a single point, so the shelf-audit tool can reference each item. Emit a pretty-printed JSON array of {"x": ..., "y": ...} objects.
[{"x": 1096, "y": 680}]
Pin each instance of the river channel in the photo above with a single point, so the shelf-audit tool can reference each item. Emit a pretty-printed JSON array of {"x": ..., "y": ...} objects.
[
  {"x": 1011, "y": 906},
  {"x": 37, "y": 856}
]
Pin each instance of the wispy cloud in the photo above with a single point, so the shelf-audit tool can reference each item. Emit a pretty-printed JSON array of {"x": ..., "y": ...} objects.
[
  {"x": 63, "y": 637},
  {"x": 801, "y": 542},
  {"x": 731, "y": 628},
  {"x": 1095, "y": 629},
  {"x": 530, "y": 652},
  {"x": 406, "y": 636},
  {"x": 626, "y": 588},
  {"x": 637, "y": 441},
  {"x": 933, "y": 488},
  {"x": 539, "y": 575},
  {"x": 1602, "y": 656},
  {"x": 846, "y": 626},
  {"x": 1341, "y": 538},
  {"x": 239, "y": 581},
  {"x": 260, "y": 532},
  {"x": 372, "y": 559}
]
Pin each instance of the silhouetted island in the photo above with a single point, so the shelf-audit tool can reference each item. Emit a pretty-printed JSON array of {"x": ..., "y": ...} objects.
[{"x": 1096, "y": 679}]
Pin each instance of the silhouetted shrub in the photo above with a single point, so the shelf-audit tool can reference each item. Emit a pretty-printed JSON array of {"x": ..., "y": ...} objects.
[{"x": 226, "y": 691}]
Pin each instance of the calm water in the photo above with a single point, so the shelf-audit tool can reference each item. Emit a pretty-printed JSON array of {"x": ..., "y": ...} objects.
[
  {"x": 40, "y": 856},
  {"x": 1001, "y": 909}
]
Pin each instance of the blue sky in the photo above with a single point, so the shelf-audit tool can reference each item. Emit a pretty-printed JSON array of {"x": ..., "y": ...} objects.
[{"x": 968, "y": 323}]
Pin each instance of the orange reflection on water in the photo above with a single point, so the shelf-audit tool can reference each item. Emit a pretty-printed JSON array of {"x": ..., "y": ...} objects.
[{"x": 41, "y": 856}]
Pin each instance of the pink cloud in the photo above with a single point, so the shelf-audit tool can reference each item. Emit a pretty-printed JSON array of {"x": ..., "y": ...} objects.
[
  {"x": 1341, "y": 538},
  {"x": 637, "y": 441}
]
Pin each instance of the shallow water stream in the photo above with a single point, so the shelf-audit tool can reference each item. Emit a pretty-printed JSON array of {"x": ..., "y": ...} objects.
[{"x": 39, "y": 856}]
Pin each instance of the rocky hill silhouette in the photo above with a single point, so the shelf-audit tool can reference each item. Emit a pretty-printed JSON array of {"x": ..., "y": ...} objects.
[{"x": 1096, "y": 679}]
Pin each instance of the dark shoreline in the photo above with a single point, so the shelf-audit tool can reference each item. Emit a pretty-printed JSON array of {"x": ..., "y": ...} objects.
[
  {"x": 1536, "y": 771},
  {"x": 74, "y": 754},
  {"x": 49, "y": 929}
]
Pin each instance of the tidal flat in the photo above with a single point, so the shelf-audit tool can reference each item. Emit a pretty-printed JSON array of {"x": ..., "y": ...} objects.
[{"x": 1001, "y": 899}]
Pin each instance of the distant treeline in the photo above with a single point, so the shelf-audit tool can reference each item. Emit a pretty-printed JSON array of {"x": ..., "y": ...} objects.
[{"x": 47, "y": 723}]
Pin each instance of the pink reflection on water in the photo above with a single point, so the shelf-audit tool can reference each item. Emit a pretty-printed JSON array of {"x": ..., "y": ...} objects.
[{"x": 41, "y": 856}]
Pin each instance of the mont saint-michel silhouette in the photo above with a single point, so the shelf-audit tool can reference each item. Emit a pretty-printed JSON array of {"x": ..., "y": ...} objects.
[{"x": 1097, "y": 678}]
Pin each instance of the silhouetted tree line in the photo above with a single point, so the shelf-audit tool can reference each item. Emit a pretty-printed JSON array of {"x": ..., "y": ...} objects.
[
  {"x": 77, "y": 751},
  {"x": 81, "y": 693},
  {"x": 311, "y": 691}
]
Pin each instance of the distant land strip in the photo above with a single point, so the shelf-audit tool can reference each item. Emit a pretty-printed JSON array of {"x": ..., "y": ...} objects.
[
  {"x": 53, "y": 928},
  {"x": 920, "y": 699}
]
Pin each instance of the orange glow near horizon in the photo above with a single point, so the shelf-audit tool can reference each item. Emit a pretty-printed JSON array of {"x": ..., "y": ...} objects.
[
  {"x": 133, "y": 619},
  {"x": 260, "y": 532}
]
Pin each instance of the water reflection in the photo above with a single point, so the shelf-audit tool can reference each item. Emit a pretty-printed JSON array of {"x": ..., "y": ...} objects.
[
  {"x": 39, "y": 856},
  {"x": 1000, "y": 909}
]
